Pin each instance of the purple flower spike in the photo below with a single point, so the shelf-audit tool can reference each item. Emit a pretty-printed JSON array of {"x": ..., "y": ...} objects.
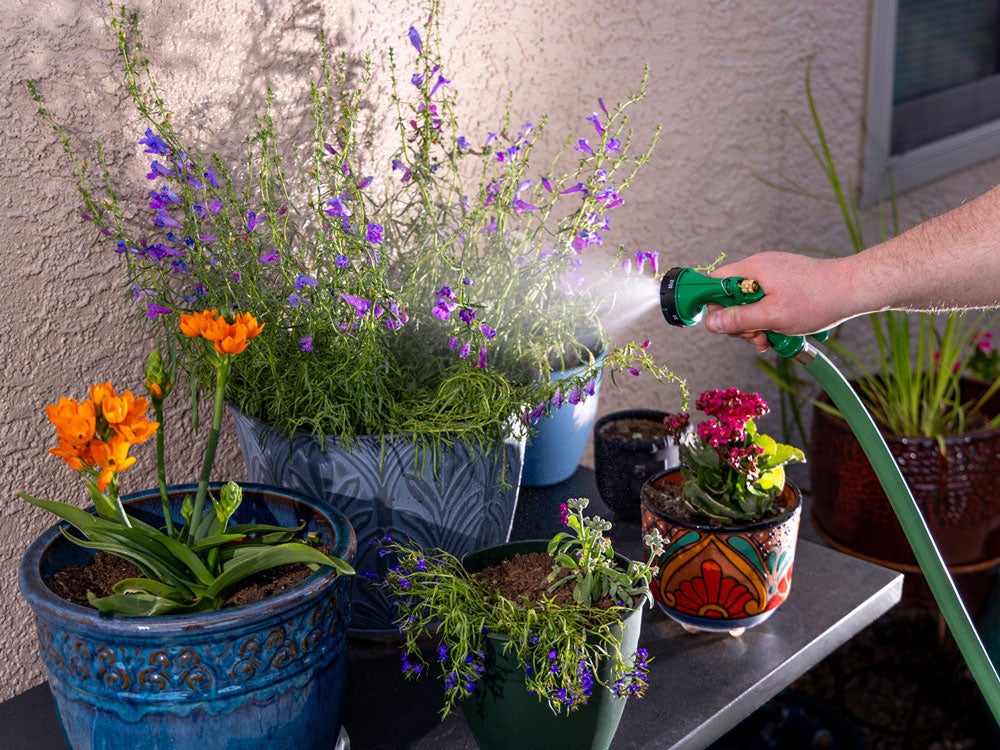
[{"x": 414, "y": 37}]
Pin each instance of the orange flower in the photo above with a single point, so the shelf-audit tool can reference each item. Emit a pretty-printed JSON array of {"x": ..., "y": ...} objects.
[
  {"x": 111, "y": 458},
  {"x": 194, "y": 324},
  {"x": 74, "y": 455},
  {"x": 75, "y": 423},
  {"x": 227, "y": 338}
]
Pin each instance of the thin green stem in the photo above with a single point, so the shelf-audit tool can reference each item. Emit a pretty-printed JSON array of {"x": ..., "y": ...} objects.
[
  {"x": 161, "y": 466},
  {"x": 222, "y": 377}
]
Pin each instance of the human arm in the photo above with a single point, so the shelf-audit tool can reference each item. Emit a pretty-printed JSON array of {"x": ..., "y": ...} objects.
[{"x": 949, "y": 262}]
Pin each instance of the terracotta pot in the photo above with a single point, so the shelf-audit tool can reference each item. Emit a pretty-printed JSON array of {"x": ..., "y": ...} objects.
[
  {"x": 955, "y": 490},
  {"x": 722, "y": 578}
]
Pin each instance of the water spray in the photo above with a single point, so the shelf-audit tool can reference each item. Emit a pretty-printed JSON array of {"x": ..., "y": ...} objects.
[{"x": 684, "y": 295}]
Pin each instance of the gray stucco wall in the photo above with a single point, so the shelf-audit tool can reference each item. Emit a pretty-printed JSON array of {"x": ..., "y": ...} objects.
[{"x": 722, "y": 75}]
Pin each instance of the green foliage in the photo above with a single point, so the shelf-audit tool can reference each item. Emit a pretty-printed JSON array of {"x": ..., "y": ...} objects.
[{"x": 559, "y": 646}]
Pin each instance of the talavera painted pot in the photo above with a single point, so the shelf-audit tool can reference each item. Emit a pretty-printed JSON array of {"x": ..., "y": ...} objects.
[
  {"x": 264, "y": 675},
  {"x": 722, "y": 578},
  {"x": 457, "y": 502}
]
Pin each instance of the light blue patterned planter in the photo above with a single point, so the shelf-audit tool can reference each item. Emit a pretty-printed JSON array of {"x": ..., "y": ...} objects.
[
  {"x": 459, "y": 505},
  {"x": 554, "y": 450},
  {"x": 268, "y": 674}
]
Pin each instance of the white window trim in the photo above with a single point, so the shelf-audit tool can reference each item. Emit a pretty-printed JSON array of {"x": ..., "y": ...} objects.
[{"x": 884, "y": 175}]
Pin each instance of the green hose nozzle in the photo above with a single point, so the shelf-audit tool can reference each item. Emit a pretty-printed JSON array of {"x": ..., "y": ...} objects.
[{"x": 684, "y": 293}]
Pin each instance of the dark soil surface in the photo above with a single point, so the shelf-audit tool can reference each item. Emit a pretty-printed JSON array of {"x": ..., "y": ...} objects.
[
  {"x": 627, "y": 430},
  {"x": 105, "y": 570},
  {"x": 525, "y": 578}
]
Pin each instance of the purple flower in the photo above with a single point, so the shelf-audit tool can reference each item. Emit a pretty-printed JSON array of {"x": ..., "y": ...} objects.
[
  {"x": 341, "y": 261},
  {"x": 361, "y": 306},
  {"x": 463, "y": 143},
  {"x": 464, "y": 351},
  {"x": 397, "y": 164},
  {"x": 443, "y": 308},
  {"x": 306, "y": 344},
  {"x": 365, "y": 182},
  {"x": 302, "y": 281},
  {"x": 163, "y": 219},
  {"x": 297, "y": 300},
  {"x": 577, "y": 188},
  {"x": 215, "y": 206},
  {"x": 253, "y": 220},
  {"x": 157, "y": 170},
  {"x": 521, "y": 206},
  {"x": 271, "y": 256},
  {"x": 441, "y": 81},
  {"x": 154, "y": 310},
  {"x": 338, "y": 208},
  {"x": 481, "y": 364},
  {"x": 613, "y": 145},
  {"x": 489, "y": 333},
  {"x": 467, "y": 315},
  {"x": 154, "y": 144},
  {"x": 557, "y": 399},
  {"x": 641, "y": 258},
  {"x": 596, "y": 119},
  {"x": 414, "y": 37},
  {"x": 583, "y": 147},
  {"x": 547, "y": 184},
  {"x": 374, "y": 233},
  {"x": 210, "y": 178}
]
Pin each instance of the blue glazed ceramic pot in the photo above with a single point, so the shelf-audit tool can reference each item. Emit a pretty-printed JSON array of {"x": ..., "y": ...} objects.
[
  {"x": 454, "y": 501},
  {"x": 264, "y": 675}
]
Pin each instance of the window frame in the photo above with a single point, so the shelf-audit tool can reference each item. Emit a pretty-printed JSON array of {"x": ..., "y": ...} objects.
[{"x": 884, "y": 174}]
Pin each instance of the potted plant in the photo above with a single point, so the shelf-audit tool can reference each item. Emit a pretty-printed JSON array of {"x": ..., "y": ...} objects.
[
  {"x": 538, "y": 640},
  {"x": 629, "y": 447},
  {"x": 728, "y": 517},
  {"x": 414, "y": 307},
  {"x": 164, "y": 641},
  {"x": 931, "y": 386}
]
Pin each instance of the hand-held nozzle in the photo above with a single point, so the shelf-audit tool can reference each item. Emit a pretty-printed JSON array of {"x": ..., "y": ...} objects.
[{"x": 684, "y": 294}]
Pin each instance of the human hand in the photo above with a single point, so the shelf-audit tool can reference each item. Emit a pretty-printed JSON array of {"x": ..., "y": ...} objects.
[{"x": 799, "y": 298}]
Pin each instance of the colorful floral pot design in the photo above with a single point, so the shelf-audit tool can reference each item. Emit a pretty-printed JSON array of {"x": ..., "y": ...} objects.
[{"x": 723, "y": 578}]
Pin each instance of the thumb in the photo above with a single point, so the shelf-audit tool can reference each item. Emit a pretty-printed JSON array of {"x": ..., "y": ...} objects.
[{"x": 730, "y": 320}]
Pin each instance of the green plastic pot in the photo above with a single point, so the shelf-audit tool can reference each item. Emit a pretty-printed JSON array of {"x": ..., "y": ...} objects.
[{"x": 503, "y": 715}]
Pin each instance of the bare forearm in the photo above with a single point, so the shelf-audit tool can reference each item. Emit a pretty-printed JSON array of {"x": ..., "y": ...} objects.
[{"x": 950, "y": 262}]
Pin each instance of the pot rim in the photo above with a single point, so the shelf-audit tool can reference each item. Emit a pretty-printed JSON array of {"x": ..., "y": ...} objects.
[
  {"x": 650, "y": 414},
  {"x": 724, "y": 528},
  {"x": 45, "y": 602}
]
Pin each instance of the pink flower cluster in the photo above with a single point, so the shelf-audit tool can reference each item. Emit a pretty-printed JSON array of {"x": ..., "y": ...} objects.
[{"x": 725, "y": 430}]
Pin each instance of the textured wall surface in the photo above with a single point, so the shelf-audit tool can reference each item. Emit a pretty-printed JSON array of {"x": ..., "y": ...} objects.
[{"x": 723, "y": 76}]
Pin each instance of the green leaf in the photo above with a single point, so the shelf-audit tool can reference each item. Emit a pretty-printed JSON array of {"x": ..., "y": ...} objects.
[
  {"x": 272, "y": 557},
  {"x": 140, "y": 604}
]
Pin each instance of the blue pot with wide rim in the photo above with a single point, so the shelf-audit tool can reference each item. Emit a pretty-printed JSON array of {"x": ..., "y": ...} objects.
[
  {"x": 458, "y": 499},
  {"x": 267, "y": 674}
]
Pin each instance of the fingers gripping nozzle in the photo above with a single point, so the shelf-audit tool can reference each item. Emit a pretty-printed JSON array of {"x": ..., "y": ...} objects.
[{"x": 684, "y": 294}]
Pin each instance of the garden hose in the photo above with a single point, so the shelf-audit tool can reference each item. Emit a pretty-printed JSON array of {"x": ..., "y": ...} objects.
[{"x": 684, "y": 293}]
